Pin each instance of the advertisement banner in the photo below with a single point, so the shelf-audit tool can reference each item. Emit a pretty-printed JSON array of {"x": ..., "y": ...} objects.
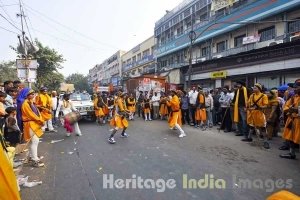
[{"x": 251, "y": 39}]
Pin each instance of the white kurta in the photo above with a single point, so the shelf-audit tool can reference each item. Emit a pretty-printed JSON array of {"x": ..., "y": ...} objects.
[{"x": 66, "y": 107}]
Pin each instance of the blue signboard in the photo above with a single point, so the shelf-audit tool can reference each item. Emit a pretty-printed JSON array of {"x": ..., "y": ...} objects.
[
  {"x": 144, "y": 60},
  {"x": 114, "y": 81},
  {"x": 251, "y": 12}
]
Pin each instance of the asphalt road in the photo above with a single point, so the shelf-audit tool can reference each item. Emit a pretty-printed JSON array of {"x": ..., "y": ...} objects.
[{"x": 77, "y": 166}]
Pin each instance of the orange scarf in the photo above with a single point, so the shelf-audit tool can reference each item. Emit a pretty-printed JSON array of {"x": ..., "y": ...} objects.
[{"x": 236, "y": 104}]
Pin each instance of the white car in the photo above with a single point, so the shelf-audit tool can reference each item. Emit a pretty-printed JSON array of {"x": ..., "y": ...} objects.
[{"x": 84, "y": 105}]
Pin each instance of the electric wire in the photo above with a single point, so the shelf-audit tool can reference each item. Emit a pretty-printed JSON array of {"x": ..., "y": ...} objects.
[
  {"x": 67, "y": 27},
  {"x": 10, "y": 22}
]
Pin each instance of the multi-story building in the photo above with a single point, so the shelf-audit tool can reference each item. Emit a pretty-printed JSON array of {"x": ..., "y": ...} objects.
[
  {"x": 252, "y": 40},
  {"x": 108, "y": 72},
  {"x": 140, "y": 60}
]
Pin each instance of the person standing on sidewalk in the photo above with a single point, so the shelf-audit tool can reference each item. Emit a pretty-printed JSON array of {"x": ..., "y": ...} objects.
[
  {"x": 256, "y": 118},
  {"x": 163, "y": 109},
  {"x": 44, "y": 103},
  {"x": 139, "y": 102},
  {"x": 291, "y": 131},
  {"x": 225, "y": 101},
  {"x": 55, "y": 102},
  {"x": 185, "y": 108},
  {"x": 131, "y": 106},
  {"x": 155, "y": 105},
  {"x": 209, "y": 105},
  {"x": 32, "y": 125},
  {"x": 193, "y": 94},
  {"x": 200, "y": 115},
  {"x": 239, "y": 102}
]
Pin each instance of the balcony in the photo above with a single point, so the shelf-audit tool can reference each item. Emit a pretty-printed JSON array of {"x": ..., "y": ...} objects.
[{"x": 145, "y": 59}]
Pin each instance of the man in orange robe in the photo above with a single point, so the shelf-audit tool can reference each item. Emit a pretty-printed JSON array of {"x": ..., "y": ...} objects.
[
  {"x": 119, "y": 120},
  {"x": 32, "y": 127},
  {"x": 98, "y": 106},
  {"x": 44, "y": 103},
  {"x": 256, "y": 118},
  {"x": 291, "y": 131},
  {"x": 200, "y": 115},
  {"x": 175, "y": 114}
]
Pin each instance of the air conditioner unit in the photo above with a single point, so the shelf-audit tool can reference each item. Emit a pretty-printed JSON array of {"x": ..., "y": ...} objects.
[{"x": 295, "y": 37}]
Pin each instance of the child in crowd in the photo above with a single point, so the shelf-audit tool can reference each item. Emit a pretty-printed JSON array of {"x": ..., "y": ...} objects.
[{"x": 12, "y": 133}]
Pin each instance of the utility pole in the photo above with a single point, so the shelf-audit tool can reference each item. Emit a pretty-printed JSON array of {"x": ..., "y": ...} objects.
[
  {"x": 192, "y": 36},
  {"x": 21, "y": 15}
]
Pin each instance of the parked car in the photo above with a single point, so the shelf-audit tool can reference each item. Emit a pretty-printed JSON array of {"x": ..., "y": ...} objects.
[{"x": 84, "y": 104}]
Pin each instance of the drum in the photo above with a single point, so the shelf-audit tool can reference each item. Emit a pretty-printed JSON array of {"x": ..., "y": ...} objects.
[{"x": 72, "y": 117}]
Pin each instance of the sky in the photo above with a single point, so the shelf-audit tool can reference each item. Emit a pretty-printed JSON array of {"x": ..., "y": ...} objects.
[{"x": 85, "y": 32}]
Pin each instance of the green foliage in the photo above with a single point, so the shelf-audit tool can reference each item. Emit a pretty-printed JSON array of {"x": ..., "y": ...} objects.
[
  {"x": 80, "y": 82},
  {"x": 8, "y": 71},
  {"x": 49, "y": 62}
]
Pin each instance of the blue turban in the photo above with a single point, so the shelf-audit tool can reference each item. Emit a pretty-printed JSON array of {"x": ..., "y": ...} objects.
[{"x": 20, "y": 100}]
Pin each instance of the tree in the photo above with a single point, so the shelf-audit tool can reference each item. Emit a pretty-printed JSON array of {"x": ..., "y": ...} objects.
[
  {"x": 8, "y": 71},
  {"x": 50, "y": 61},
  {"x": 53, "y": 81},
  {"x": 80, "y": 82}
]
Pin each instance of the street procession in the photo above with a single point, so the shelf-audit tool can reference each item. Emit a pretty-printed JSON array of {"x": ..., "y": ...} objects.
[{"x": 208, "y": 107}]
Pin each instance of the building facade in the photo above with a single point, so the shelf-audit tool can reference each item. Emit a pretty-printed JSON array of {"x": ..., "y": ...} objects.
[
  {"x": 140, "y": 60},
  {"x": 108, "y": 72},
  {"x": 227, "y": 29}
]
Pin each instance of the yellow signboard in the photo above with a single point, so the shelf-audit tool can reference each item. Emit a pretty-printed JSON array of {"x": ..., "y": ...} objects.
[{"x": 218, "y": 74}]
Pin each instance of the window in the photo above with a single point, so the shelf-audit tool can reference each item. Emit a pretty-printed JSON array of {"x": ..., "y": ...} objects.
[
  {"x": 146, "y": 53},
  {"x": 203, "y": 17},
  {"x": 138, "y": 57},
  {"x": 238, "y": 41},
  {"x": 204, "y": 51},
  {"x": 180, "y": 30},
  {"x": 267, "y": 33},
  {"x": 133, "y": 59},
  {"x": 187, "y": 12},
  {"x": 294, "y": 26},
  {"x": 221, "y": 47},
  {"x": 152, "y": 50}
]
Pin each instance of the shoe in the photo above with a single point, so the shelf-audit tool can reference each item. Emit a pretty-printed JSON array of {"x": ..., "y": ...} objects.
[
  {"x": 79, "y": 134},
  {"x": 195, "y": 126},
  {"x": 146, "y": 119},
  {"x": 125, "y": 135},
  {"x": 284, "y": 148},
  {"x": 204, "y": 128},
  {"x": 111, "y": 140},
  {"x": 247, "y": 140},
  {"x": 38, "y": 164},
  {"x": 68, "y": 134},
  {"x": 239, "y": 134},
  {"x": 266, "y": 145},
  {"x": 192, "y": 124},
  {"x": 150, "y": 119},
  {"x": 182, "y": 135},
  {"x": 53, "y": 131},
  {"x": 288, "y": 156},
  {"x": 226, "y": 131},
  {"x": 39, "y": 159}
]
